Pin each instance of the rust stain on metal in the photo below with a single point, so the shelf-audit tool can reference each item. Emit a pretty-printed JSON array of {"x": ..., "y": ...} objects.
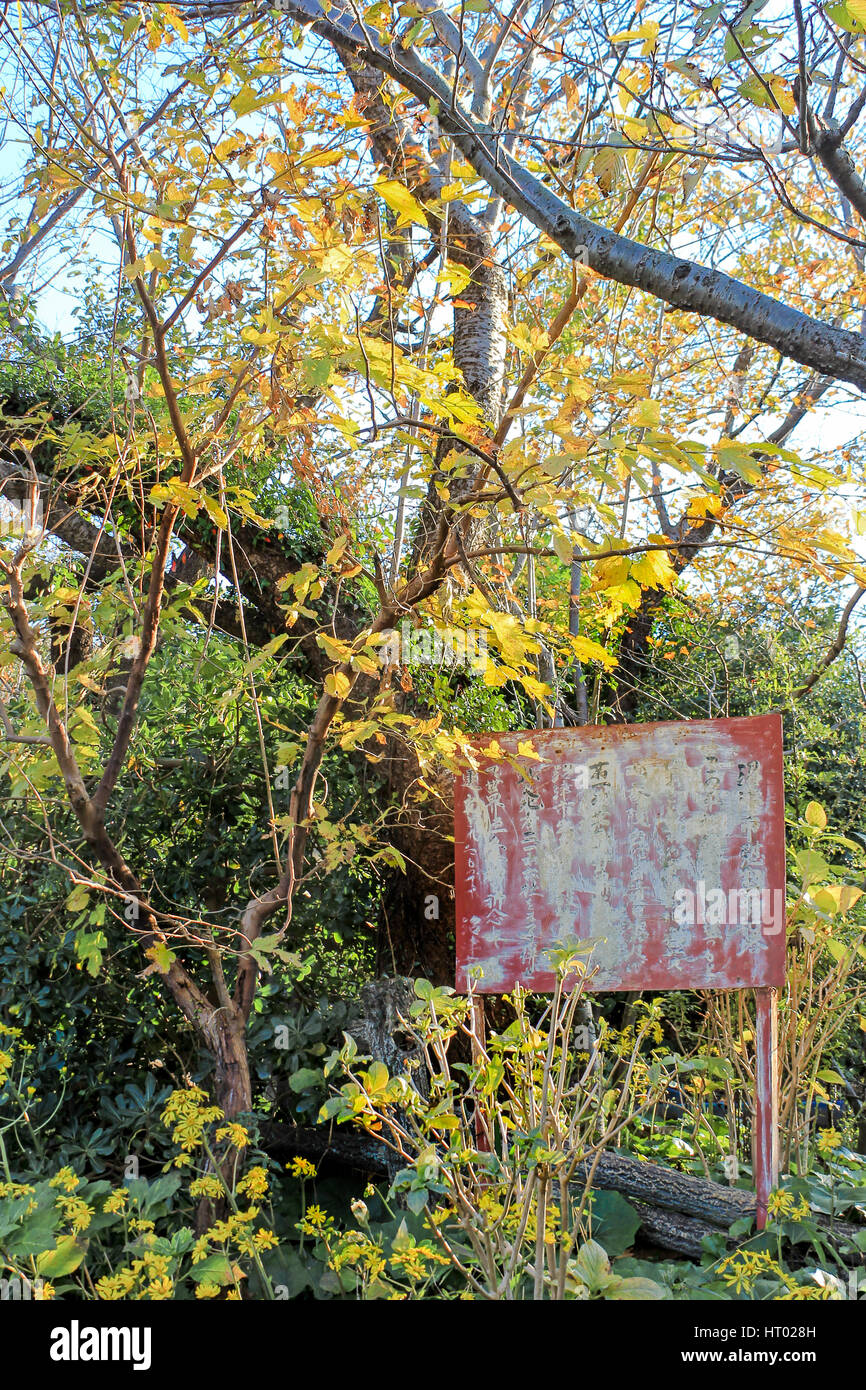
[{"x": 661, "y": 843}]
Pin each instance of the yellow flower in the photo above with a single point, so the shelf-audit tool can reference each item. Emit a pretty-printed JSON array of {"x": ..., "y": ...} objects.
[
  {"x": 66, "y": 1179},
  {"x": 411, "y": 1261},
  {"x": 116, "y": 1286},
  {"x": 736, "y": 1271},
  {"x": 159, "y": 1289},
  {"x": 828, "y": 1140},
  {"x": 43, "y": 1291},
  {"x": 117, "y": 1201},
  {"x": 802, "y": 1292},
  {"x": 183, "y": 1103},
  {"x": 235, "y": 1133},
  {"x": 780, "y": 1203},
  {"x": 206, "y": 1290},
  {"x": 254, "y": 1184},
  {"x": 16, "y": 1189},
  {"x": 301, "y": 1168},
  {"x": 77, "y": 1213},
  {"x": 207, "y": 1186},
  {"x": 375, "y": 1262}
]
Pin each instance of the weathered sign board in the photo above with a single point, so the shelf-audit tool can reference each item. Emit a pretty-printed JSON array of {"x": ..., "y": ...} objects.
[{"x": 663, "y": 844}]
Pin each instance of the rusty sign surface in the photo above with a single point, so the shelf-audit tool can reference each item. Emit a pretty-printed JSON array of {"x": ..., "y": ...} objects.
[{"x": 664, "y": 843}]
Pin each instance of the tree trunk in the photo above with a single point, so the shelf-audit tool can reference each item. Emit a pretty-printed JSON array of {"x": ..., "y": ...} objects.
[
  {"x": 226, "y": 1040},
  {"x": 228, "y": 1044}
]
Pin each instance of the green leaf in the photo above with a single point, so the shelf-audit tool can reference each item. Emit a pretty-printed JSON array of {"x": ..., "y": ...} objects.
[
  {"x": 78, "y": 899},
  {"x": 63, "y": 1259},
  {"x": 377, "y": 1077},
  {"x": 216, "y": 1269},
  {"x": 162, "y": 955},
  {"x": 593, "y": 1266},
  {"x": 614, "y": 1221},
  {"x": 634, "y": 1289},
  {"x": 89, "y": 947},
  {"x": 850, "y": 16},
  {"x": 306, "y": 1079},
  {"x": 34, "y": 1233},
  {"x": 811, "y": 865},
  {"x": 317, "y": 372}
]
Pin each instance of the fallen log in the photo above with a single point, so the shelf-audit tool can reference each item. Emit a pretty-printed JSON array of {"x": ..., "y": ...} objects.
[
  {"x": 332, "y": 1150},
  {"x": 677, "y": 1210},
  {"x": 673, "y": 1232},
  {"x": 658, "y": 1186}
]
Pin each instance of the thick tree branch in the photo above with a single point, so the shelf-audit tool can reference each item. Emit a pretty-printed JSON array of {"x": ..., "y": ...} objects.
[{"x": 835, "y": 648}]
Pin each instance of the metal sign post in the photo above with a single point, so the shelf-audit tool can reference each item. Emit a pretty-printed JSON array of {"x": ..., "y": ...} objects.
[
  {"x": 662, "y": 843},
  {"x": 766, "y": 1132}
]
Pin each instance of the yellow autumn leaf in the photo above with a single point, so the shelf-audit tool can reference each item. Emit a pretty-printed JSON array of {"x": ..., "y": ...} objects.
[
  {"x": 401, "y": 201},
  {"x": 334, "y": 649},
  {"x": 337, "y": 684},
  {"x": 646, "y": 413},
  {"x": 173, "y": 20},
  {"x": 336, "y": 550},
  {"x": 496, "y": 675},
  {"x": 526, "y": 750},
  {"x": 654, "y": 570},
  {"x": 563, "y": 547},
  {"x": 767, "y": 89},
  {"x": 706, "y": 504},
  {"x": 816, "y": 815},
  {"x": 648, "y": 32},
  {"x": 610, "y": 572},
  {"x": 585, "y": 649}
]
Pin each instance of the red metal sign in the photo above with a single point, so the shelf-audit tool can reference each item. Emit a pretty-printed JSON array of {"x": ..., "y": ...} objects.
[{"x": 663, "y": 843}]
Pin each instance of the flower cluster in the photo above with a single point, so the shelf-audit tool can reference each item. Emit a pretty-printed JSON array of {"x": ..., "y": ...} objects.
[
  {"x": 783, "y": 1205},
  {"x": 828, "y": 1140},
  {"x": 187, "y": 1115},
  {"x": 408, "y": 1262},
  {"x": 76, "y": 1213},
  {"x": 147, "y": 1278},
  {"x": 301, "y": 1168}
]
